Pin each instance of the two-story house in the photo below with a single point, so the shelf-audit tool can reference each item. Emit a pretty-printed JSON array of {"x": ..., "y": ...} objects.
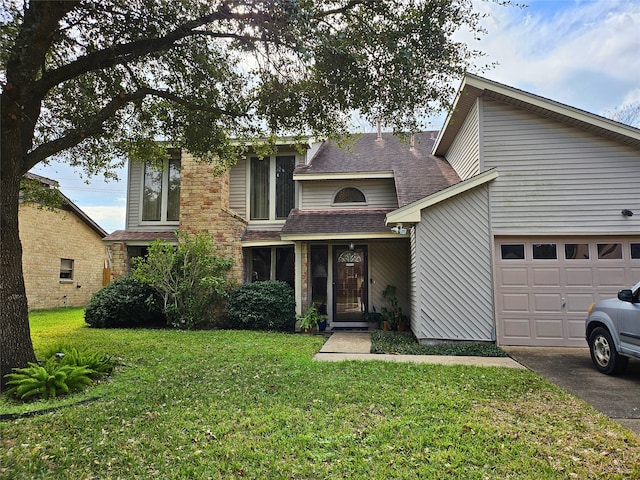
[{"x": 505, "y": 225}]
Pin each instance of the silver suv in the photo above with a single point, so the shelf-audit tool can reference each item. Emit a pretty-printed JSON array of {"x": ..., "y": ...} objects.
[{"x": 613, "y": 331}]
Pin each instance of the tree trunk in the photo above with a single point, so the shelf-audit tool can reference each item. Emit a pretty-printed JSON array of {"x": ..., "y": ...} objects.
[{"x": 16, "y": 348}]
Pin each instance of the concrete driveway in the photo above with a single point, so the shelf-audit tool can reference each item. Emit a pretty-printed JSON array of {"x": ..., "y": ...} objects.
[{"x": 618, "y": 397}]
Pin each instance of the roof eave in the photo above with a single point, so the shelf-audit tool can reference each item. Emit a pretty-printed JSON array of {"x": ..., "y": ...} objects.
[{"x": 412, "y": 213}]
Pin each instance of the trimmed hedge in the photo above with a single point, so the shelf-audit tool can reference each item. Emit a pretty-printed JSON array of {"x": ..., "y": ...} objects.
[
  {"x": 125, "y": 302},
  {"x": 269, "y": 305}
]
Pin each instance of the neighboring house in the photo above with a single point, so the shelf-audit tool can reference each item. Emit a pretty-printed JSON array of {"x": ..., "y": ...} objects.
[
  {"x": 63, "y": 257},
  {"x": 510, "y": 219}
]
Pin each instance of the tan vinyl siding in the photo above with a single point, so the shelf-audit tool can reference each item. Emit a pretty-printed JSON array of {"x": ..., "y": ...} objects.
[
  {"x": 454, "y": 284},
  {"x": 464, "y": 154},
  {"x": 318, "y": 195},
  {"x": 389, "y": 264},
  {"x": 238, "y": 195},
  {"x": 554, "y": 177}
]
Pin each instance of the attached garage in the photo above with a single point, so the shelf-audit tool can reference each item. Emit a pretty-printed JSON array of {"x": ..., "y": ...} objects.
[{"x": 544, "y": 286}]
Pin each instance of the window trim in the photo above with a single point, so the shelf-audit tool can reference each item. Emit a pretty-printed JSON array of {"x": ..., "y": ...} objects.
[
  {"x": 348, "y": 204},
  {"x": 164, "y": 201},
  {"x": 272, "y": 159},
  {"x": 70, "y": 271}
]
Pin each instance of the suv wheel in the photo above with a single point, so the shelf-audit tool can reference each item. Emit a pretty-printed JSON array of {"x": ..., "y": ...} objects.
[{"x": 603, "y": 352}]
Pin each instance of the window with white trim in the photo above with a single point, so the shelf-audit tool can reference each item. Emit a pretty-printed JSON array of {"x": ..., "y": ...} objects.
[
  {"x": 161, "y": 192},
  {"x": 272, "y": 189},
  {"x": 66, "y": 269},
  {"x": 349, "y": 195}
]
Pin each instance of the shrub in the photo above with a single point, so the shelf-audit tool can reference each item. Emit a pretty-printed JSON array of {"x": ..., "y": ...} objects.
[
  {"x": 267, "y": 305},
  {"x": 48, "y": 380},
  {"x": 101, "y": 364},
  {"x": 190, "y": 279},
  {"x": 125, "y": 302}
]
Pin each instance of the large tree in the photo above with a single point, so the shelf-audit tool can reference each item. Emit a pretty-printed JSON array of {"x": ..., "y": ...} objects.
[{"x": 95, "y": 81}]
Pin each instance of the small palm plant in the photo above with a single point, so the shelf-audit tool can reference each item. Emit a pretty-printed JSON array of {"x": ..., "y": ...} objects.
[{"x": 48, "y": 380}]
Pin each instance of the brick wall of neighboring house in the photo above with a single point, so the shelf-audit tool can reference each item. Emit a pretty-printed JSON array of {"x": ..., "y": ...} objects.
[
  {"x": 204, "y": 208},
  {"x": 49, "y": 236}
]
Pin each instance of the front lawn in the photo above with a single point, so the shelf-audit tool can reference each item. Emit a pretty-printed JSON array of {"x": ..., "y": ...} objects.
[
  {"x": 404, "y": 343},
  {"x": 235, "y": 404}
]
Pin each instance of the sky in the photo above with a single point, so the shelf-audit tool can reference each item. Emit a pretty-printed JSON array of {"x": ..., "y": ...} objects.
[{"x": 583, "y": 53}]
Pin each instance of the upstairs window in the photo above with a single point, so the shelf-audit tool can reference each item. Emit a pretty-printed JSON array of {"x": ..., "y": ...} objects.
[
  {"x": 349, "y": 195},
  {"x": 272, "y": 187},
  {"x": 161, "y": 192}
]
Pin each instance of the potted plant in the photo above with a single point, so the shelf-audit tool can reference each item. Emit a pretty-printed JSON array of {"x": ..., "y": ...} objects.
[
  {"x": 322, "y": 322},
  {"x": 395, "y": 319},
  {"x": 310, "y": 320},
  {"x": 374, "y": 318}
]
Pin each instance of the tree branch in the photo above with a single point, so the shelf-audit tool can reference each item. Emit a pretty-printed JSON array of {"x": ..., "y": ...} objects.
[
  {"x": 94, "y": 126},
  {"x": 123, "y": 52}
]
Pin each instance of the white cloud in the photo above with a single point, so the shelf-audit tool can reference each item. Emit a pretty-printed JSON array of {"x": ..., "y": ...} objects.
[
  {"x": 581, "y": 53},
  {"x": 111, "y": 217}
]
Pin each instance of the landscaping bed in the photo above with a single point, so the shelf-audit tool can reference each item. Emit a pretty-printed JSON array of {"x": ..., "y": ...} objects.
[{"x": 404, "y": 343}]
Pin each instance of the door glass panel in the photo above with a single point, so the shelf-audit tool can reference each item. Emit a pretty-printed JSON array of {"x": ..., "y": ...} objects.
[
  {"x": 512, "y": 252},
  {"x": 545, "y": 251},
  {"x": 635, "y": 250},
  {"x": 350, "y": 284},
  {"x": 576, "y": 251},
  {"x": 609, "y": 251}
]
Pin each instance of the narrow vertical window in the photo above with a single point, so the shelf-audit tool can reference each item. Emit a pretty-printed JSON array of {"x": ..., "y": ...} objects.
[
  {"x": 259, "y": 188},
  {"x": 285, "y": 189},
  {"x": 173, "y": 195},
  {"x": 152, "y": 194},
  {"x": 260, "y": 264},
  {"x": 285, "y": 259}
]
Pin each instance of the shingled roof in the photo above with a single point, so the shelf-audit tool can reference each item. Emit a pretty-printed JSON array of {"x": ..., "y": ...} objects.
[
  {"x": 416, "y": 172},
  {"x": 331, "y": 222}
]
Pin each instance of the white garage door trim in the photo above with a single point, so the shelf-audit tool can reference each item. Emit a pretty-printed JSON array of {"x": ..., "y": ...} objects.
[{"x": 541, "y": 300}]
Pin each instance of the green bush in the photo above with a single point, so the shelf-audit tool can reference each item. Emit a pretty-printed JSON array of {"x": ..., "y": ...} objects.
[
  {"x": 191, "y": 279},
  {"x": 125, "y": 302},
  {"x": 49, "y": 380},
  {"x": 267, "y": 305}
]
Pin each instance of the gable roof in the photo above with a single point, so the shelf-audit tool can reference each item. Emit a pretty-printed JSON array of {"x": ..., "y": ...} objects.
[
  {"x": 473, "y": 87},
  {"x": 415, "y": 171},
  {"x": 67, "y": 204}
]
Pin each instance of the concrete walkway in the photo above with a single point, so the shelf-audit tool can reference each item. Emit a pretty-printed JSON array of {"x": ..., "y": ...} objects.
[{"x": 356, "y": 346}]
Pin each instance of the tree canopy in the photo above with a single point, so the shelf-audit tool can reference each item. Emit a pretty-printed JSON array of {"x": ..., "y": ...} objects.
[{"x": 96, "y": 81}]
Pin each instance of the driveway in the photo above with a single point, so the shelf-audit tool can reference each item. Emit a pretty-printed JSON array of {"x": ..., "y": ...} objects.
[{"x": 618, "y": 397}]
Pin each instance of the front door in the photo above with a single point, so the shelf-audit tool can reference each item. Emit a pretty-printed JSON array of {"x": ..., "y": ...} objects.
[{"x": 349, "y": 285}]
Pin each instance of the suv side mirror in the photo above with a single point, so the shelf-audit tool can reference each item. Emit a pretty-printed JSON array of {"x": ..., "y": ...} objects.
[{"x": 625, "y": 296}]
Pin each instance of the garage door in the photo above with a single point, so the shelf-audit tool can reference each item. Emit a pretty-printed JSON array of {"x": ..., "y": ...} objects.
[{"x": 544, "y": 286}]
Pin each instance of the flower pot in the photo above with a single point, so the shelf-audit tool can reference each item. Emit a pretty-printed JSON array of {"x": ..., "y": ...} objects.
[{"x": 322, "y": 326}]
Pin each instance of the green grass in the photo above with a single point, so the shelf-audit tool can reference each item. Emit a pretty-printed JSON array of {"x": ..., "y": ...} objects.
[
  {"x": 405, "y": 343},
  {"x": 234, "y": 404}
]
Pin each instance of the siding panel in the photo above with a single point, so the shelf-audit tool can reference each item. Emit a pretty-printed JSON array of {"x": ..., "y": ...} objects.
[
  {"x": 318, "y": 195},
  {"x": 556, "y": 177},
  {"x": 238, "y": 194},
  {"x": 464, "y": 153},
  {"x": 455, "y": 294},
  {"x": 389, "y": 264}
]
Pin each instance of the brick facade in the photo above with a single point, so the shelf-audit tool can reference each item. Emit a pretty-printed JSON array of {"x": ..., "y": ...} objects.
[
  {"x": 49, "y": 236},
  {"x": 204, "y": 208}
]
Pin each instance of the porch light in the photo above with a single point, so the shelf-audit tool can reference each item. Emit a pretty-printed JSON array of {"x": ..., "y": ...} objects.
[
  {"x": 352, "y": 246},
  {"x": 626, "y": 213}
]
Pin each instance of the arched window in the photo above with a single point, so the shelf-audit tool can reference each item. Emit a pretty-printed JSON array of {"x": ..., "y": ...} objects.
[{"x": 349, "y": 195}]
